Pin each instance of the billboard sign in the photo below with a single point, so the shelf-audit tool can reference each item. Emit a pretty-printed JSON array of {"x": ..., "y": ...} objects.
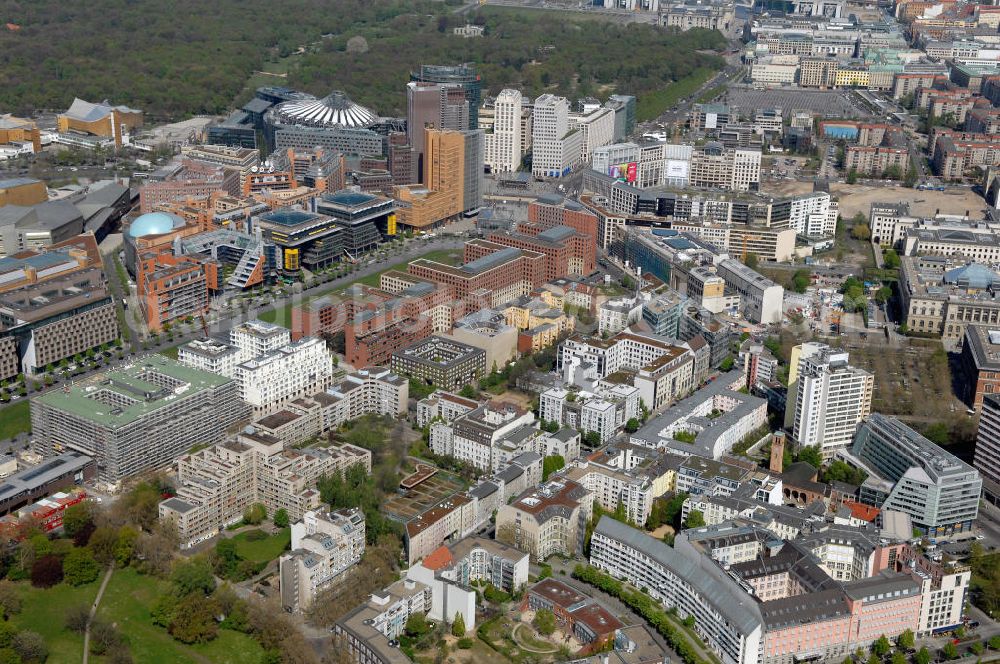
[
  {"x": 627, "y": 172},
  {"x": 677, "y": 168},
  {"x": 711, "y": 121}
]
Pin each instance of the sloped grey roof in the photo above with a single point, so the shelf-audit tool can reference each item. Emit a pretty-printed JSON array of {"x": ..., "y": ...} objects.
[
  {"x": 711, "y": 582},
  {"x": 86, "y": 111}
]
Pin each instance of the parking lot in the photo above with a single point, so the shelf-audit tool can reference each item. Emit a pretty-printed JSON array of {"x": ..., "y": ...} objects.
[{"x": 826, "y": 103}]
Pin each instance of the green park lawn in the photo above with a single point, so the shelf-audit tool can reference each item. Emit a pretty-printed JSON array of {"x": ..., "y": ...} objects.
[
  {"x": 263, "y": 550},
  {"x": 15, "y": 419},
  {"x": 44, "y": 610},
  {"x": 126, "y": 603},
  {"x": 283, "y": 316}
]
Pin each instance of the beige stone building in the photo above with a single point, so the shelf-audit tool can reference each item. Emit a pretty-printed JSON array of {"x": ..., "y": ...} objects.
[
  {"x": 547, "y": 520},
  {"x": 217, "y": 484},
  {"x": 58, "y": 319},
  {"x": 943, "y": 294}
]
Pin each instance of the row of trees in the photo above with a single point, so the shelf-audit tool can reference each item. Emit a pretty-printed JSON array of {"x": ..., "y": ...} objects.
[{"x": 649, "y": 609}]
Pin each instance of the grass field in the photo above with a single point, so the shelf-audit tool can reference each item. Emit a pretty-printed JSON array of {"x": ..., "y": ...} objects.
[
  {"x": 15, "y": 419},
  {"x": 262, "y": 550},
  {"x": 650, "y": 106},
  {"x": 43, "y": 611},
  {"x": 283, "y": 316},
  {"x": 126, "y": 603}
]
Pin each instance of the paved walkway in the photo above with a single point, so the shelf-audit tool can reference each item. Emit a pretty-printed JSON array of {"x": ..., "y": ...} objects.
[
  {"x": 524, "y": 646},
  {"x": 93, "y": 612}
]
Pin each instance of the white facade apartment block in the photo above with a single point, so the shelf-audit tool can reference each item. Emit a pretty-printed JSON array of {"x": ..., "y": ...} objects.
[
  {"x": 215, "y": 485},
  {"x": 598, "y": 415},
  {"x": 551, "y": 403},
  {"x": 605, "y": 411},
  {"x": 473, "y": 452},
  {"x": 889, "y": 222},
  {"x": 730, "y": 624},
  {"x": 396, "y": 604},
  {"x": 210, "y": 355},
  {"x": 474, "y": 437},
  {"x": 612, "y": 487},
  {"x": 830, "y": 399},
  {"x": 615, "y": 315},
  {"x": 555, "y": 146},
  {"x": 375, "y": 390},
  {"x": 625, "y": 350},
  {"x": 597, "y": 127},
  {"x": 942, "y": 603},
  {"x": 444, "y": 406},
  {"x": 298, "y": 369},
  {"x": 503, "y": 145},
  {"x": 814, "y": 215},
  {"x": 255, "y": 338},
  {"x": 746, "y": 169},
  {"x": 324, "y": 546},
  {"x": 564, "y": 443}
]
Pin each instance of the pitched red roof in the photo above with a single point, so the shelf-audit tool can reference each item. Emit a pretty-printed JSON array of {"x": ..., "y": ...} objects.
[
  {"x": 438, "y": 558},
  {"x": 860, "y": 511}
]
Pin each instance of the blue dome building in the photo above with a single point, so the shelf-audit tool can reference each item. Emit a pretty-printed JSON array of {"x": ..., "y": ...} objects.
[
  {"x": 154, "y": 223},
  {"x": 146, "y": 225}
]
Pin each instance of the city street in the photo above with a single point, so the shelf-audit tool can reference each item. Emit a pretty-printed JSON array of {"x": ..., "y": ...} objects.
[{"x": 220, "y": 323}]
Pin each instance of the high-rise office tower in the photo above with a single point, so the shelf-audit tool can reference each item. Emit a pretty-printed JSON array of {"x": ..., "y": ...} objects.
[
  {"x": 503, "y": 144},
  {"x": 464, "y": 76},
  {"x": 555, "y": 148},
  {"x": 433, "y": 106},
  {"x": 987, "y": 456},
  {"x": 454, "y": 164},
  {"x": 828, "y": 399}
]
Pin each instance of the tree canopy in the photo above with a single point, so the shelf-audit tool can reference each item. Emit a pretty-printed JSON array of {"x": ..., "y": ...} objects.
[{"x": 198, "y": 57}]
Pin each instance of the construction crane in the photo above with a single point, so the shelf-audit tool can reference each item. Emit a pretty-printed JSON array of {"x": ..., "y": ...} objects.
[{"x": 747, "y": 238}]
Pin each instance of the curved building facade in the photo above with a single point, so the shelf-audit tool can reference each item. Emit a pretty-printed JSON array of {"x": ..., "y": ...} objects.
[{"x": 144, "y": 226}]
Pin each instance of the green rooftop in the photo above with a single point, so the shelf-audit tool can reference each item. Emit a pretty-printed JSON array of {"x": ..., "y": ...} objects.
[{"x": 121, "y": 396}]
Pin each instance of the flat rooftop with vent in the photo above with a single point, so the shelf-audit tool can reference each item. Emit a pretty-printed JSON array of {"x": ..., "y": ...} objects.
[
  {"x": 42, "y": 301},
  {"x": 443, "y": 362},
  {"x": 981, "y": 363},
  {"x": 137, "y": 417},
  {"x": 123, "y": 395}
]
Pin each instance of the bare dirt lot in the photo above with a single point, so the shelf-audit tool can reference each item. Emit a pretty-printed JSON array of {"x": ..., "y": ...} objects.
[{"x": 856, "y": 198}]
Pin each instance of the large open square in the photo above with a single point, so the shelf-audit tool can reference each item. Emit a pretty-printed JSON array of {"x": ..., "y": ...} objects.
[{"x": 826, "y": 103}]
